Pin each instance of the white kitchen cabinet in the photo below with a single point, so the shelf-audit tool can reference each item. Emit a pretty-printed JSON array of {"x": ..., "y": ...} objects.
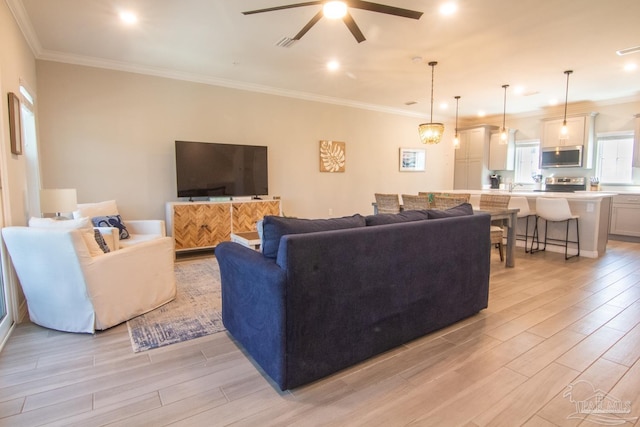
[
  {"x": 581, "y": 132},
  {"x": 502, "y": 156},
  {"x": 471, "y": 168},
  {"x": 625, "y": 214},
  {"x": 551, "y": 132}
]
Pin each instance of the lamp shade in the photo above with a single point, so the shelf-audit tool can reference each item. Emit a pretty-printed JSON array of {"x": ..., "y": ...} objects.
[
  {"x": 57, "y": 200},
  {"x": 430, "y": 133}
]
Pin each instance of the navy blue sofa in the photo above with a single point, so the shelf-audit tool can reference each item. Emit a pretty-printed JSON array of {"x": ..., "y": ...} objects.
[{"x": 319, "y": 301}]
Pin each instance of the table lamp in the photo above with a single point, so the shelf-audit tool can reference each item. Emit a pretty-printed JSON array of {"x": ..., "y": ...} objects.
[{"x": 58, "y": 200}]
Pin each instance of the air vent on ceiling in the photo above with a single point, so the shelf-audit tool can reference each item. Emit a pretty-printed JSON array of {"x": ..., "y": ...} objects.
[
  {"x": 286, "y": 42},
  {"x": 410, "y": 103}
]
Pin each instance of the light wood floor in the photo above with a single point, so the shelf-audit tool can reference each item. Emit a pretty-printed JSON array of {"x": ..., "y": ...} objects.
[{"x": 555, "y": 334}]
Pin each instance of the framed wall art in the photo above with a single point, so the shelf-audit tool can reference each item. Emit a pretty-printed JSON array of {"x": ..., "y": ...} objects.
[
  {"x": 15, "y": 126},
  {"x": 332, "y": 156},
  {"x": 412, "y": 159}
]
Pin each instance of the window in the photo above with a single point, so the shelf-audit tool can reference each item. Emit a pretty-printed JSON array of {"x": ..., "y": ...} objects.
[
  {"x": 527, "y": 160},
  {"x": 615, "y": 157}
]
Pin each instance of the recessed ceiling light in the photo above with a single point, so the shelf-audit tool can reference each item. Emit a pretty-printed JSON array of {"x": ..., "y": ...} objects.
[
  {"x": 518, "y": 90},
  {"x": 128, "y": 17},
  {"x": 553, "y": 101},
  {"x": 481, "y": 113},
  {"x": 448, "y": 8},
  {"x": 444, "y": 105},
  {"x": 630, "y": 67},
  {"x": 333, "y": 65}
]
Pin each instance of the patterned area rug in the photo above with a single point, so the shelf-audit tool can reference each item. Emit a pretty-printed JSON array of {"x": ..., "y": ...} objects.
[{"x": 194, "y": 313}]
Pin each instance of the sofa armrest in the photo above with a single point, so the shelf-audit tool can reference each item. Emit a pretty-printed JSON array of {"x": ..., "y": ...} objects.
[
  {"x": 253, "y": 305},
  {"x": 130, "y": 281},
  {"x": 146, "y": 226},
  {"x": 111, "y": 236}
]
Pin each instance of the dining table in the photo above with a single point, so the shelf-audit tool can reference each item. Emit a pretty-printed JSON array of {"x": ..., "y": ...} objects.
[{"x": 509, "y": 219}]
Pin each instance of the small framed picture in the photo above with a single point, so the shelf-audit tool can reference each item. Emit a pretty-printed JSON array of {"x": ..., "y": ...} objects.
[
  {"x": 412, "y": 159},
  {"x": 15, "y": 127}
]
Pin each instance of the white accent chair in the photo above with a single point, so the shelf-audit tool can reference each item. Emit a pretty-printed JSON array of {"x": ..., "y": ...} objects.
[
  {"x": 68, "y": 289},
  {"x": 555, "y": 210},
  {"x": 139, "y": 230}
]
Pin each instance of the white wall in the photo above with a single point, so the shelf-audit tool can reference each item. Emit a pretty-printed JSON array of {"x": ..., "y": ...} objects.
[
  {"x": 111, "y": 135},
  {"x": 16, "y": 63}
]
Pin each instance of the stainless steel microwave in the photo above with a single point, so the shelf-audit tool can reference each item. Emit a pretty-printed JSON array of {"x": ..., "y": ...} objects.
[{"x": 561, "y": 157}]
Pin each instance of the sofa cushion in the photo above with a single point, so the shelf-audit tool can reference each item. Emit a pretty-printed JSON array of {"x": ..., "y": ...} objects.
[
  {"x": 460, "y": 210},
  {"x": 405, "y": 216},
  {"x": 274, "y": 227},
  {"x": 112, "y": 221}
]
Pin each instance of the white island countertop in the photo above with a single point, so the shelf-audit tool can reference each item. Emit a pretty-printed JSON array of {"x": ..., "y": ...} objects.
[{"x": 578, "y": 195}]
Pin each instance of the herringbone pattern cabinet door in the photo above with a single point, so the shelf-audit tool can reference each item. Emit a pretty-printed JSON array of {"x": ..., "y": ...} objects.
[
  {"x": 245, "y": 215},
  {"x": 201, "y": 225}
]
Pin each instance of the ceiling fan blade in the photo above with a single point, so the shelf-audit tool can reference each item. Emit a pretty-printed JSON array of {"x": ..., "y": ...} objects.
[
  {"x": 310, "y": 24},
  {"x": 288, "y": 6},
  {"x": 381, "y": 8},
  {"x": 353, "y": 27}
]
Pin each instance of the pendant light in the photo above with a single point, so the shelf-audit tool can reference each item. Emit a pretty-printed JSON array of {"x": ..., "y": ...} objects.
[
  {"x": 503, "y": 133},
  {"x": 456, "y": 138},
  {"x": 430, "y": 133},
  {"x": 564, "y": 131}
]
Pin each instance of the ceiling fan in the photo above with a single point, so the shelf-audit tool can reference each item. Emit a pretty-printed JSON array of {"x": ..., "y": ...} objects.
[{"x": 346, "y": 17}]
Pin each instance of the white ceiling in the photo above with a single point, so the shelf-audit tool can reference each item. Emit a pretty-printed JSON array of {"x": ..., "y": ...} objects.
[{"x": 486, "y": 44}]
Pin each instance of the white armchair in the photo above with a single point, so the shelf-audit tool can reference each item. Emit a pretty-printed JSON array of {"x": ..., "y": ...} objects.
[
  {"x": 139, "y": 230},
  {"x": 68, "y": 289}
]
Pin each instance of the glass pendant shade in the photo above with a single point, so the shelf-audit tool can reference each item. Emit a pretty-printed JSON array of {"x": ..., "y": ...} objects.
[
  {"x": 431, "y": 133},
  {"x": 564, "y": 131}
]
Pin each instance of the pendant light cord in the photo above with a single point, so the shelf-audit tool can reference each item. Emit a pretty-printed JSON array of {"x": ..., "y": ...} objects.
[
  {"x": 566, "y": 96},
  {"x": 457, "y": 100},
  {"x": 504, "y": 111},
  {"x": 432, "y": 64}
]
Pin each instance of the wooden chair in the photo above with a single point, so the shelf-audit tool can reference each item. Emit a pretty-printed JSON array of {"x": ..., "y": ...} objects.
[
  {"x": 431, "y": 195},
  {"x": 446, "y": 202},
  {"x": 387, "y": 203},
  {"x": 412, "y": 202},
  {"x": 495, "y": 202}
]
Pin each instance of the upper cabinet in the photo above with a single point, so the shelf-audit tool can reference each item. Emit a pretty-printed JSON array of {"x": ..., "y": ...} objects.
[
  {"x": 501, "y": 155},
  {"x": 472, "y": 158},
  {"x": 581, "y": 132}
]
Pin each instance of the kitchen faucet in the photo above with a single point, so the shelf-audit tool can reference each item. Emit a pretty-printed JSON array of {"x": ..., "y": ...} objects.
[{"x": 512, "y": 186}]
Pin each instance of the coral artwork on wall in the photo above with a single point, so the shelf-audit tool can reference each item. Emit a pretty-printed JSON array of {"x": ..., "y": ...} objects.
[{"x": 332, "y": 156}]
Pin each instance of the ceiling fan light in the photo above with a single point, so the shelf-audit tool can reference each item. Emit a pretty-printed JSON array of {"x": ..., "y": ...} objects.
[{"x": 334, "y": 9}]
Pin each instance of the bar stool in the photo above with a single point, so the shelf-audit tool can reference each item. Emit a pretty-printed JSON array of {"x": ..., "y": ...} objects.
[
  {"x": 520, "y": 202},
  {"x": 555, "y": 210}
]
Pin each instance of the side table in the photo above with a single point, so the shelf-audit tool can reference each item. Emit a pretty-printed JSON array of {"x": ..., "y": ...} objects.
[{"x": 250, "y": 239}]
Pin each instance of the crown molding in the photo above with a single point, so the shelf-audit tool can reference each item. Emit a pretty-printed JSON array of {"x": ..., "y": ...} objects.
[{"x": 24, "y": 23}]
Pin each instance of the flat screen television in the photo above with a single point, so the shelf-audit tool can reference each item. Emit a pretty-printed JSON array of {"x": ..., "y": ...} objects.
[{"x": 206, "y": 169}]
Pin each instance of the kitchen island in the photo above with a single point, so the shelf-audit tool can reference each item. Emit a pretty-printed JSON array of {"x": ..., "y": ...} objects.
[{"x": 593, "y": 207}]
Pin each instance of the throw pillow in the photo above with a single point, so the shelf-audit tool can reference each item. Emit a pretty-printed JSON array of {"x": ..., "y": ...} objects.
[
  {"x": 274, "y": 227},
  {"x": 460, "y": 210},
  {"x": 100, "y": 241},
  {"x": 111, "y": 221},
  {"x": 82, "y": 224},
  {"x": 91, "y": 210},
  {"x": 406, "y": 216}
]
